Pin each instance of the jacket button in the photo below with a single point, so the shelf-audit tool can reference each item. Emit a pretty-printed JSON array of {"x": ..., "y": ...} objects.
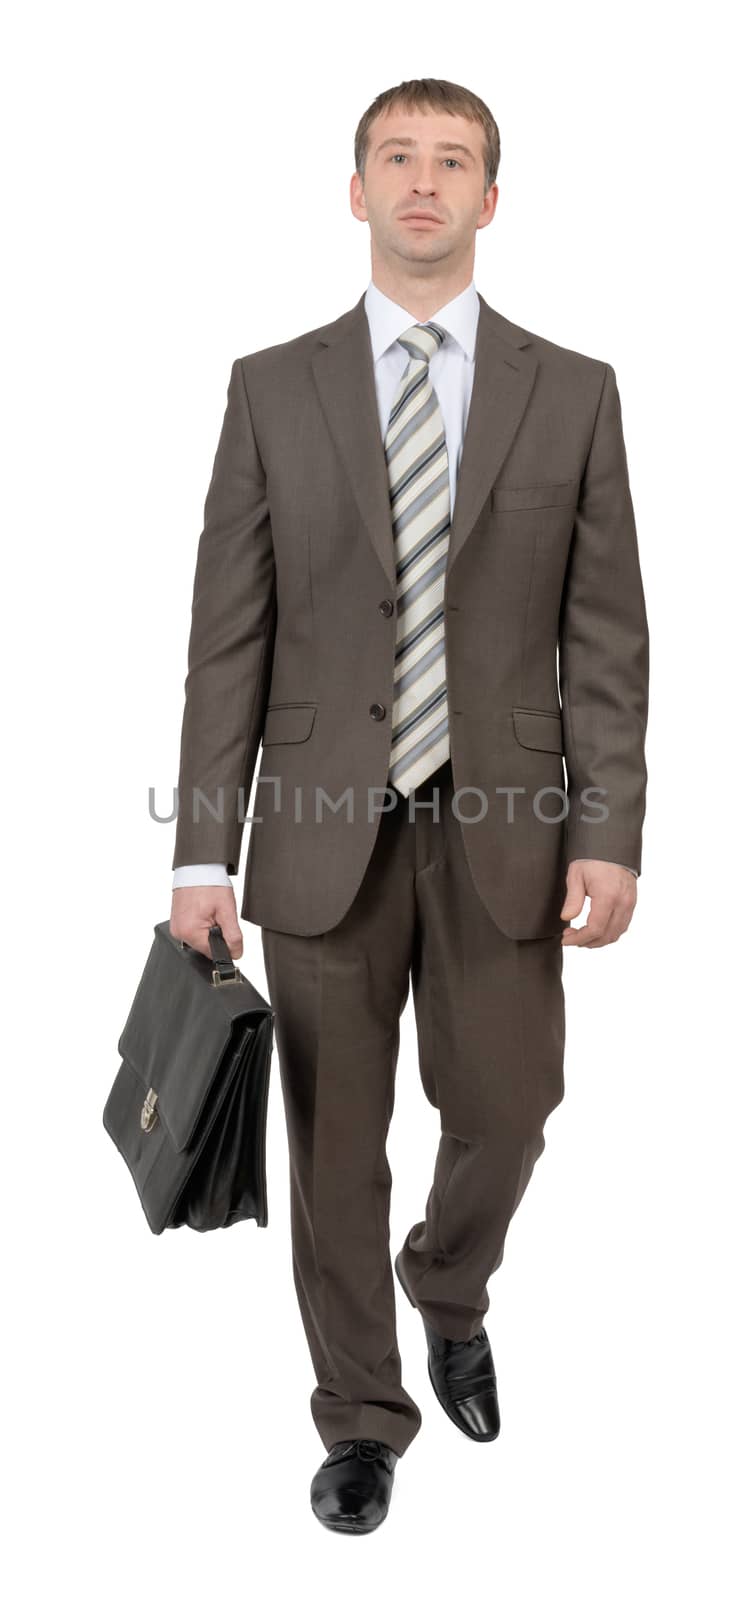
[
  {"x": 386, "y": 607},
  {"x": 377, "y": 711}
]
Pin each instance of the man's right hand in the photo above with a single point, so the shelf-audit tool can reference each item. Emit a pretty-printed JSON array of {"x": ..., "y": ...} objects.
[{"x": 195, "y": 910}]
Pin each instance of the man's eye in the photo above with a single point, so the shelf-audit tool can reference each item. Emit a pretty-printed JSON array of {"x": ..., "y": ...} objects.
[{"x": 400, "y": 155}]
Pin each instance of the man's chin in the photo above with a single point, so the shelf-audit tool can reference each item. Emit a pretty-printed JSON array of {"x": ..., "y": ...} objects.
[{"x": 419, "y": 247}]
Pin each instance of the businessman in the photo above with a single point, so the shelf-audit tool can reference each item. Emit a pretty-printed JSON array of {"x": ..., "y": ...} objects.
[{"x": 418, "y": 585}]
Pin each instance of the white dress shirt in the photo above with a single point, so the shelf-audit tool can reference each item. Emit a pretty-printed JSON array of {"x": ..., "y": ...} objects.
[{"x": 451, "y": 370}]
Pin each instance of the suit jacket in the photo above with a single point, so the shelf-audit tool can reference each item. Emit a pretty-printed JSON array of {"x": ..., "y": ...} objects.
[{"x": 293, "y": 630}]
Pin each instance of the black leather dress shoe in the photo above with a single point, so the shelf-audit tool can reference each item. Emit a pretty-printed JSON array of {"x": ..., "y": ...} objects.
[
  {"x": 351, "y": 1491},
  {"x": 462, "y": 1376}
]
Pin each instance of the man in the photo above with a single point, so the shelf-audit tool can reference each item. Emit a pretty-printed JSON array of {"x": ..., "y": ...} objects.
[{"x": 414, "y": 512}]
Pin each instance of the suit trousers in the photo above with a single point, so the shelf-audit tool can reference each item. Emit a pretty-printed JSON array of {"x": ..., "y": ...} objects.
[{"x": 489, "y": 1013}]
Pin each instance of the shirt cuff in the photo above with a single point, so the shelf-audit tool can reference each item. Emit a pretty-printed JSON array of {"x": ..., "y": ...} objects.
[
  {"x": 634, "y": 872},
  {"x": 201, "y": 876}
]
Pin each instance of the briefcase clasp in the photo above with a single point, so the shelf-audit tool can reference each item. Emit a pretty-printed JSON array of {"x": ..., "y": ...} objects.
[{"x": 148, "y": 1112}]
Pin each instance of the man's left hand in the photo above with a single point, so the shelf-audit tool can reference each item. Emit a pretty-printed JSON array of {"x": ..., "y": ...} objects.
[{"x": 613, "y": 897}]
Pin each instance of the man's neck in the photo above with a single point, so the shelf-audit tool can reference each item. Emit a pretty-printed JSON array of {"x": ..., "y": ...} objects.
[{"x": 421, "y": 296}]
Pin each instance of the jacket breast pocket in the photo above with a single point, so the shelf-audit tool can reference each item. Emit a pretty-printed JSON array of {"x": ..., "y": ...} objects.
[
  {"x": 289, "y": 721},
  {"x": 534, "y": 496},
  {"x": 538, "y": 730}
]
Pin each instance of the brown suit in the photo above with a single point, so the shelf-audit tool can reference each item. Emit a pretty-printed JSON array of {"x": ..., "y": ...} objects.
[
  {"x": 292, "y": 642},
  {"x": 289, "y": 641}
]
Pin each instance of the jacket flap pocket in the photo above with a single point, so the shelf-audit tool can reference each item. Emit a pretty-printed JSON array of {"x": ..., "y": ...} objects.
[
  {"x": 539, "y": 730},
  {"x": 534, "y": 496},
  {"x": 289, "y": 721}
]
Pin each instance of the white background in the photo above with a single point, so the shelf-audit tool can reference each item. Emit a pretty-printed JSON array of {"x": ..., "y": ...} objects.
[{"x": 176, "y": 183}]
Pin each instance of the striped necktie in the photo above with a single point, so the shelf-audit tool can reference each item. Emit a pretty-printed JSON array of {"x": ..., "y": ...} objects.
[{"x": 416, "y": 455}]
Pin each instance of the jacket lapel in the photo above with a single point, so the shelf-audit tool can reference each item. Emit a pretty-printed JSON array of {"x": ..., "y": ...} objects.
[
  {"x": 344, "y": 373},
  {"x": 343, "y": 370},
  {"x": 504, "y": 374}
]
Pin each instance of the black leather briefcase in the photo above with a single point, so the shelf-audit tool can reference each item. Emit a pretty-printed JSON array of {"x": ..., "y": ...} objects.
[{"x": 188, "y": 1106}]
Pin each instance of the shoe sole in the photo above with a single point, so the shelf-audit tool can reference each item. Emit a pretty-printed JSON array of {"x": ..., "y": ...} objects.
[{"x": 348, "y": 1527}]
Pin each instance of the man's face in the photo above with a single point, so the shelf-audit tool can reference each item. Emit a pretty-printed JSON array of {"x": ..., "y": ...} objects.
[{"x": 423, "y": 164}]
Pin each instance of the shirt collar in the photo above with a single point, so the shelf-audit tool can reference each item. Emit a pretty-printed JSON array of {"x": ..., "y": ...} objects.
[{"x": 388, "y": 320}]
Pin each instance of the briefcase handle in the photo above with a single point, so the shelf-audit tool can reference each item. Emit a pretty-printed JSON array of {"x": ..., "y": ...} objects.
[{"x": 224, "y": 970}]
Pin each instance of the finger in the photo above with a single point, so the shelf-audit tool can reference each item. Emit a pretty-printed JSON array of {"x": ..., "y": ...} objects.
[
  {"x": 224, "y": 912},
  {"x": 618, "y": 924},
  {"x": 187, "y": 925},
  {"x": 598, "y": 917},
  {"x": 192, "y": 929},
  {"x": 197, "y": 938},
  {"x": 233, "y": 936},
  {"x": 603, "y": 938},
  {"x": 589, "y": 930},
  {"x": 575, "y": 897},
  {"x": 572, "y": 907},
  {"x": 573, "y": 904}
]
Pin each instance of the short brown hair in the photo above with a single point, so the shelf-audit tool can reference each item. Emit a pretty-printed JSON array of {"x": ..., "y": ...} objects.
[{"x": 435, "y": 94}]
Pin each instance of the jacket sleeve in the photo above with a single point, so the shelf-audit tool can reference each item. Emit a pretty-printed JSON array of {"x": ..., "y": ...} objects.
[
  {"x": 604, "y": 654},
  {"x": 230, "y": 646}
]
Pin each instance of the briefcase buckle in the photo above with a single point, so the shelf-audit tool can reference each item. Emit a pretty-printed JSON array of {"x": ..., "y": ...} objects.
[
  {"x": 148, "y": 1112},
  {"x": 231, "y": 977}
]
